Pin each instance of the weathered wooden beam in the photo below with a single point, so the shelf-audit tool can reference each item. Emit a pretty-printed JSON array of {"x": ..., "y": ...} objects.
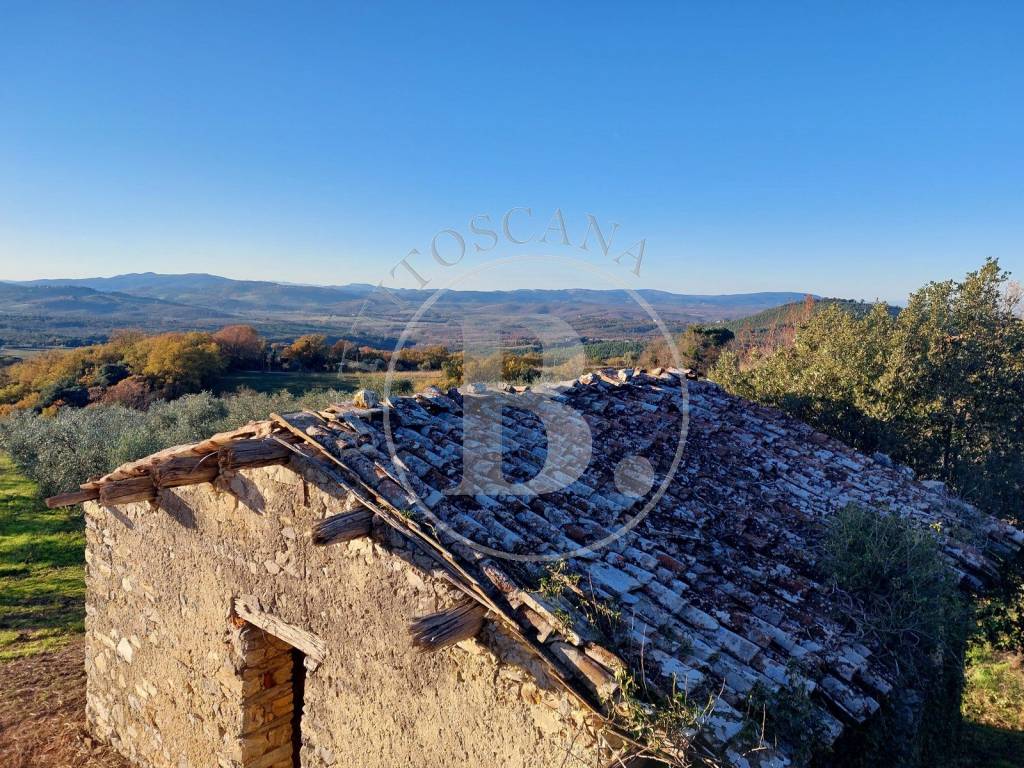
[
  {"x": 72, "y": 498},
  {"x": 186, "y": 470},
  {"x": 544, "y": 629},
  {"x": 128, "y": 490},
  {"x": 224, "y": 439},
  {"x": 253, "y": 453},
  {"x": 344, "y": 527},
  {"x": 438, "y": 630},
  {"x": 606, "y": 658},
  {"x": 248, "y": 607},
  {"x": 601, "y": 681}
]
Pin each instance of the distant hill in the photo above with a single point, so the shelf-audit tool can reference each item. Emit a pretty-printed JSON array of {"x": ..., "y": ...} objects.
[
  {"x": 56, "y": 314},
  {"x": 94, "y": 306},
  {"x": 776, "y": 327},
  {"x": 785, "y": 314},
  {"x": 203, "y": 290},
  {"x": 68, "y": 300},
  {"x": 254, "y": 295}
]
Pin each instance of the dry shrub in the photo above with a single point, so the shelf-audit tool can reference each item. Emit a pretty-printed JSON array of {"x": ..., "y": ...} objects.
[{"x": 133, "y": 392}]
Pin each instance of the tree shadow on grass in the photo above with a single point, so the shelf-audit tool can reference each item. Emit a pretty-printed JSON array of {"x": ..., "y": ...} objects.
[
  {"x": 986, "y": 746},
  {"x": 42, "y": 585}
]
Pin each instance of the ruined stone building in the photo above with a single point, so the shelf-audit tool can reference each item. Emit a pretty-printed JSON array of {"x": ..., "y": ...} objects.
[{"x": 307, "y": 590}]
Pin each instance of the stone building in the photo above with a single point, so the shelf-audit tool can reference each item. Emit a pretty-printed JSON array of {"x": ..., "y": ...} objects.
[{"x": 308, "y": 591}]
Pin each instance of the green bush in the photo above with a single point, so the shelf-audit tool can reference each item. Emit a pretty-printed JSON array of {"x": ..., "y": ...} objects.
[
  {"x": 902, "y": 599},
  {"x": 904, "y": 595},
  {"x": 939, "y": 387},
  {"x": 110, "y": 374},
  {"x": 787, "y": 716},
  {"x": 62, "y": 451},
  {"x": 59, "y": 452},
  {"x": 378, "y": 382}
]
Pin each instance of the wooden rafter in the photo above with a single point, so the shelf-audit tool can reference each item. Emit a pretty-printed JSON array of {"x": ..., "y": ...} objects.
[
  {"x": 183, "y": 465},
  {"x": 448, "y": 627}
]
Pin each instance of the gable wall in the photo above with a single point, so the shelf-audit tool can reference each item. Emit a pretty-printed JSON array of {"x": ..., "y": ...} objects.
[{"x": 166, "y": 679}]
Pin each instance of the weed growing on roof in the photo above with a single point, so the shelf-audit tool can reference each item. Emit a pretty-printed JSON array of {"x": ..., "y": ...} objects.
[
  {"x": 559, "y": 583},
  {"x": 785, "y": 715},
  {"x": 605, "y": 619},
  {"x": 664, "y": 725},
  {"x": 563, "y": 620},
  {"x": 902, "y": 594},
  {"x": 899, "y": 594},
  {"x": 557, "y": 579}
]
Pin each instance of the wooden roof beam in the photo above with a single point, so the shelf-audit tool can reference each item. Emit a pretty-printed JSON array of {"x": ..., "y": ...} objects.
[
  {"x": 343, "y": 527},
  {"x": 72, "y": 498},
  {"x": 453, "y": 625}
]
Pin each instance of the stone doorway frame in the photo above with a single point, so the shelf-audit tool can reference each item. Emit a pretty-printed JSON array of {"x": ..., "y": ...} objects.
[{"x": 276, "y": 659}]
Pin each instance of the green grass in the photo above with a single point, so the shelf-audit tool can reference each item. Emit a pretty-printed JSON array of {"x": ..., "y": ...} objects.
[
  {"x": 42, "y": 587},
  {"x": 993, "y": 708},
  {"x": 995, "y": 688}
]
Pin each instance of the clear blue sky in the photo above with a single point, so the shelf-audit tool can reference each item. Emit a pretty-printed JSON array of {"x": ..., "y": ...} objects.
[{"x": 854, "y": 149}]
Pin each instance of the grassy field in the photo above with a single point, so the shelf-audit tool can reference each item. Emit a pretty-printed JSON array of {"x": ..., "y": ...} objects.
[
  {"x": 298, "y": 383},
  {"x": 23, "y": 352},
  {"x": 41, "y": 609},
  {"x": 41, "y": 569}
]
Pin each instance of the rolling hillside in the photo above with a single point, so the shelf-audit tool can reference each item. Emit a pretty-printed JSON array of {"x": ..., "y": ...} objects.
[
  {"x": 784, "y": 314},
  {"x": 48, "y": 311},
  {"x": 776, "y": 327},
  {"x": 54, "y": 314}
]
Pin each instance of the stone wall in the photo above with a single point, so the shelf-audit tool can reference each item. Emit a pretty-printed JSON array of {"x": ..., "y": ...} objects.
[{"x": 176, "y": 680}]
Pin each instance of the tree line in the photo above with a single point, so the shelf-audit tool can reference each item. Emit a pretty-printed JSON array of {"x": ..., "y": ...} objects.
[{"x": 136, "y": 369}]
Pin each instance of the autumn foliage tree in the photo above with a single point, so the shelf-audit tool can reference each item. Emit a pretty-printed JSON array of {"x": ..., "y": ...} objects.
[
  {"x": 309, "y": 352},
  {"x": 430, "y": 357},
  {"x": 241, "y": 346},
  {"x": 56, "y": 377},
  {"x": 179, "y": 362}
]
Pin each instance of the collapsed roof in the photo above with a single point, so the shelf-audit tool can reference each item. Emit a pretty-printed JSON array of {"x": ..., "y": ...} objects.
[{"x": 714, "y": 585}]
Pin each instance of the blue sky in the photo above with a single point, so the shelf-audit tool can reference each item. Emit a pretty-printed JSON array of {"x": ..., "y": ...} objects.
[{"x": 847, "y": 149}]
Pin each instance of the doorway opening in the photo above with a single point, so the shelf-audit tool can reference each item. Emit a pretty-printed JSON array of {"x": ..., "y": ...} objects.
[
  {"x": 273, "y": 689},
  {"x": 298, "y": 704}
]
